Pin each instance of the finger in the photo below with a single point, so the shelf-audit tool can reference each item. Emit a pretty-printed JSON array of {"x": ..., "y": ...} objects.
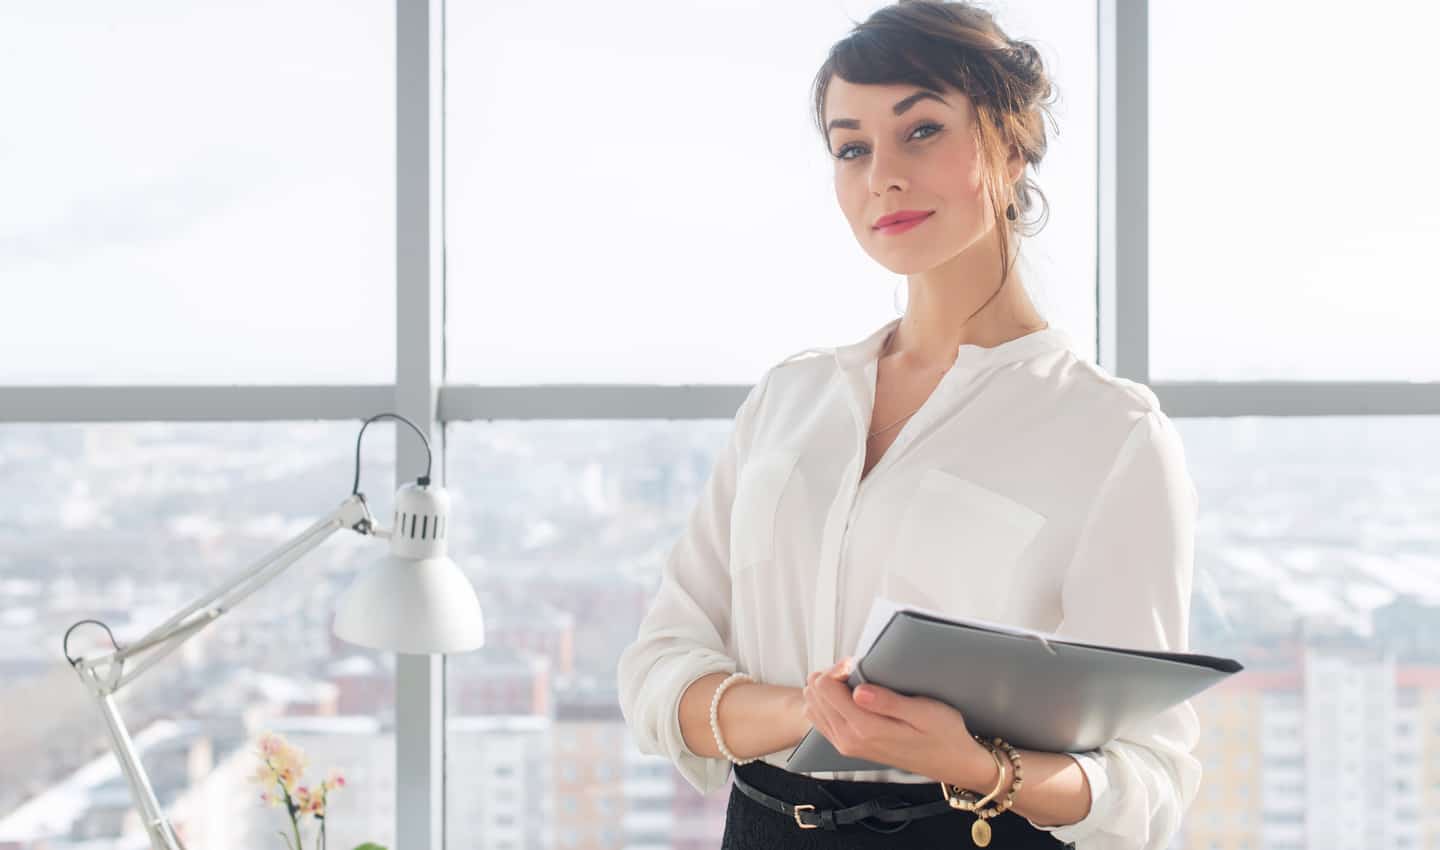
[
  {"x": 865, "y": 721},
  {"x": 811, "y": 691},
  {"x": 879, "y": 700},
  {"x": 821, "y": 706},
  {"x": 835, "y": 700},
  {"x": 817, "y": 716}
]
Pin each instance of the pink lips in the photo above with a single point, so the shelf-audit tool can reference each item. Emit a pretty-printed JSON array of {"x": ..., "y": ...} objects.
[{"x": 902, "y": 226}]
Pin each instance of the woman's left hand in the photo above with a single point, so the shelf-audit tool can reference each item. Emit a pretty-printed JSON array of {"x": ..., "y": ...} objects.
[{"x": 919, "y": 735}]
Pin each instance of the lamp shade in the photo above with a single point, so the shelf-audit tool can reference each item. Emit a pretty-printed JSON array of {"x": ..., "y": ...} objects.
[{"x": 414, "y": 599}]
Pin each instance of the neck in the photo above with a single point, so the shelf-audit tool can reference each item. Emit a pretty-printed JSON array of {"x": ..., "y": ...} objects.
[
  {"x": 931, "y": 332},
  {"x": 957, "y": 303}
]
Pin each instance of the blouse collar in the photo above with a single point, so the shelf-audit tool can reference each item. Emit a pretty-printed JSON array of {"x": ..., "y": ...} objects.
[{"x": 968, "y": 355}]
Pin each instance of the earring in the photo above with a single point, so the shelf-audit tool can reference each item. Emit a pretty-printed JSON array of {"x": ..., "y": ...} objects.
[{"x": 1010, "y": 212}]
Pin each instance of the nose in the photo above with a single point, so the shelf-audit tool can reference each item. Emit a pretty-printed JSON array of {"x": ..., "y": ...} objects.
[{"x": 886, "y": 172}]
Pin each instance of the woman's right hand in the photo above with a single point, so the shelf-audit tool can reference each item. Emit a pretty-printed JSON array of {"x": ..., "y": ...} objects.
[{"x": 840, "y": 670}]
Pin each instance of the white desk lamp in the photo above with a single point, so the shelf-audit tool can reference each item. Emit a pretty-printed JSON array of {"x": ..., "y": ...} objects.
[{"x": 413, "y": 600}]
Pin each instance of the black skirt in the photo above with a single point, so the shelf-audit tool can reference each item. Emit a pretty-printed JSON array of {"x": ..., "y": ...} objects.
[{"x": 749, "y": 825}]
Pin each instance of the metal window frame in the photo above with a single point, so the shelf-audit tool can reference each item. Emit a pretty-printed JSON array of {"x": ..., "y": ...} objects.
[
  {"x": 419, "y": 371},
  {"x": 421, "y": 394},
  {"x": 1123, "y": 274}
]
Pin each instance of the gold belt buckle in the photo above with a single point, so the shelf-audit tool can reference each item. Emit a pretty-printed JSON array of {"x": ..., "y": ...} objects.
[{"x": 802, "y": 824}]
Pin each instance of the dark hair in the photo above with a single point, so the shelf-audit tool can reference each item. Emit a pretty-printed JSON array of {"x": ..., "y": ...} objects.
[{"x": 940, "y": 45}]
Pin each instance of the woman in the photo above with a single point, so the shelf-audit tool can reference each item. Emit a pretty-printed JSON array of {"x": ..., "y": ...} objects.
[{"x": 961, "y": 458}]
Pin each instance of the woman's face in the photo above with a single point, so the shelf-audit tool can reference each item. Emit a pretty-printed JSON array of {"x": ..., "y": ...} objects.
[{"x": 899, "y": 147}]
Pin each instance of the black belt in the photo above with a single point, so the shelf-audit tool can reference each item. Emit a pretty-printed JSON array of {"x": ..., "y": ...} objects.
[{"x": 808, "y": 817}]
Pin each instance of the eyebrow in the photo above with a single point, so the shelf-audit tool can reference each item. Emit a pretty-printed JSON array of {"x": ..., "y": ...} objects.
[{"x": 899, "y": 109}]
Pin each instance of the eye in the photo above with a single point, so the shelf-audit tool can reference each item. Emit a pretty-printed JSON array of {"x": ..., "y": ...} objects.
[{"x": 840, "y": 155}]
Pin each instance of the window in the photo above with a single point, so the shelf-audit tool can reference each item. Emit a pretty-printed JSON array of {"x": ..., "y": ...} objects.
[
  {"x": 658, "y": 188},
  {"x": 1266, "y": 510},
  {"x": 130, "y": 523},
  {"x": 180, "y": 211},
  {"x": 1285, "y": 287},
  {"x": 725, "y": 230}
]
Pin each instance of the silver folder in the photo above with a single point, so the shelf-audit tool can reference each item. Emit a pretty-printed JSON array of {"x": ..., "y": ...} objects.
[{"x": 1037, "y": 691}]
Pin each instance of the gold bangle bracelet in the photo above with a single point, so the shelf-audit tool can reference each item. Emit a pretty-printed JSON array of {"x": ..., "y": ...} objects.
[
  {"x": 1015, "y": 785},
  {"x": 966, "y": 800},
  {"x": 963, "y": 799},
  {"x": 980, "y": 831}
]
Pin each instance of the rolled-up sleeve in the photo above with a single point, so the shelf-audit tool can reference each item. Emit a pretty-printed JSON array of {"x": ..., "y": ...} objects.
[
  {"x": 683, "y": 634},
  {"x": 1129, "y": 585}
]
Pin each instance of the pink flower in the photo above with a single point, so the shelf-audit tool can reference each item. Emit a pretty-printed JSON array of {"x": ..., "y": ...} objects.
[
  {"x": 281, "y": 756},
  {"x": 271, "y": 744},
  {"x": 281, "y": 768}
]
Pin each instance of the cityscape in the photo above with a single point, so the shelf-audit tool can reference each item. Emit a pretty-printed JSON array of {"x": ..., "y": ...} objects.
[{"x": 1313, "y": 569}]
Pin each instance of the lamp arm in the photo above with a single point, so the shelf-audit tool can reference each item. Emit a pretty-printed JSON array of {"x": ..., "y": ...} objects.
[{"x": 352, "y": 513}]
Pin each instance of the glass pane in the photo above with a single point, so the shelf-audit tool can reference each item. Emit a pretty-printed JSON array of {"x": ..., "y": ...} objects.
[
  {"x": 563, "y": 527},
  {"x": 645, "y": 199},
  {"x": 1317, "y": 567},
  {"x": 130, "y": 524},
  {"x": 1277, "y": 252},
  {"x": 208, "y": 197}
]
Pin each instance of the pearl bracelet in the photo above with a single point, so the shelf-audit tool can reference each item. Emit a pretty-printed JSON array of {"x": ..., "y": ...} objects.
[{"x": 715, "y": 715}]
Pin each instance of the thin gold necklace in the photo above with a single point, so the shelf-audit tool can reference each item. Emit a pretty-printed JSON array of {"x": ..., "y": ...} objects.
[
  {"x": 883, "y": 351},
  {"x": 897, "y": 422}
]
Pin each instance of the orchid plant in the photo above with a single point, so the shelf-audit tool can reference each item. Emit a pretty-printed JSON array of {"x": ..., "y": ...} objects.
[{"x": 279, "y": 773}]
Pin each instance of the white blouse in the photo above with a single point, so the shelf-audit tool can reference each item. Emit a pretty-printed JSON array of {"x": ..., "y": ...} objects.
[{"x": 1032, "y": 488}]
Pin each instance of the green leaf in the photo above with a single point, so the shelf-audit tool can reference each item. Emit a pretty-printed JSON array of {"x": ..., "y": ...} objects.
[{"x": 369, "y": 846}]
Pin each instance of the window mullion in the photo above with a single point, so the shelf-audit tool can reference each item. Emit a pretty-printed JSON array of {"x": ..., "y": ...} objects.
[{"x": 419, "y": 232}]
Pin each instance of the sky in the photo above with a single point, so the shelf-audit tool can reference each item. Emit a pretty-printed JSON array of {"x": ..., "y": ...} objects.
[{"x": 204, "y": 193}]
